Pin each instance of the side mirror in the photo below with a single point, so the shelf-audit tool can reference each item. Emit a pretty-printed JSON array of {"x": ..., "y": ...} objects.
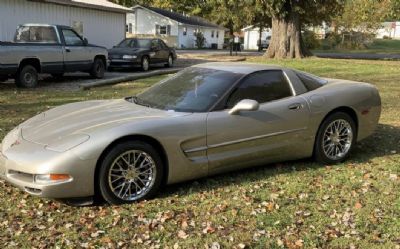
[
  {"x": 245, "y": 105},
  {"x": 85, "y": 41}
]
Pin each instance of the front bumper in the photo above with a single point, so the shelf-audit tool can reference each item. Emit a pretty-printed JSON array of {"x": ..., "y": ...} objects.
[
  {"x": 119, "y": 63},
  {"x": 20, "y": 166}
]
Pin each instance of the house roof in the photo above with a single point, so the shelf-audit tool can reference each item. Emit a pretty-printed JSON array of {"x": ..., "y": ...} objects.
[
  {"x": 91, "y": 4},
  {"x": 189, "y": 20}
]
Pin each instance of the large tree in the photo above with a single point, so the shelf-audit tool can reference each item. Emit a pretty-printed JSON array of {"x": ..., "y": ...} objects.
[{"x": 288, "y": 18}]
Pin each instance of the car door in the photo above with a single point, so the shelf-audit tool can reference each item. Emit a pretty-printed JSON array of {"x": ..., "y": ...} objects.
[
  {"x": 164, "y": 51},
  {"x": 77, "y": 54},
  {"x": 156, "y": 52},
  {"x": 272, "y": 133}
]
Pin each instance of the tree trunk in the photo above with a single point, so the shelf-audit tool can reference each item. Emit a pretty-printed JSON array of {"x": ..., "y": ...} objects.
[{"x": 286, "y": 40}]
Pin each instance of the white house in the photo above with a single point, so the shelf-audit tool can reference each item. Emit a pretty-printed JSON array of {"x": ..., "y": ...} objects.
[
  {"x": 100, "y": 21},
  {"x": 252, "y": 35},
  {"x": 178, "y": 30},
  {"x": 389, "y": 29}
]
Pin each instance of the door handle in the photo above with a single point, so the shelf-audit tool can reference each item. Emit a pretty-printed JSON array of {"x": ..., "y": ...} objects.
[
  {"x": 295, "y": 106},
  {"x": 68, "y": 50}
]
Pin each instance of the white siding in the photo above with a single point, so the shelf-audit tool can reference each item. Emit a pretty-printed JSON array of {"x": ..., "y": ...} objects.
[
  {"x": 99, "y": 27},
  {"x": 251, "y": 38},
  {"x": 389, "y": 29},
  {"x": 147, "y": 21},
  {"x": 188, "y": 40}
]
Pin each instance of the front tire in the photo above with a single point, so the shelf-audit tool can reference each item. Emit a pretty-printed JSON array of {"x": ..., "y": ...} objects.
[
  {"x": 170, "y": 62},
  {"x": 145, "y": 64},
  {"x": 131, "y": 171},
  {"x": 98, "y": 69},
  {"x": 335, "y": 139},
  {"x": 27, "y": 77}
]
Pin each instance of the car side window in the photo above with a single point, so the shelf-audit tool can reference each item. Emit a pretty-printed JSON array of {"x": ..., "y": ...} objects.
[
  {"x": 36, "y": 34},
  {"x": 155, "y": 44},
  {"x": 163, "y": 45},
  {"x": 71, "y": 38},
  {"x": 261, "y": 86}
]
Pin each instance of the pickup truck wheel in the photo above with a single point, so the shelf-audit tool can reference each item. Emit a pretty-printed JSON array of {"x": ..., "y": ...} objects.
[
  {"x": 98, "y": 69},
  {"x": 27, "y": 77}
]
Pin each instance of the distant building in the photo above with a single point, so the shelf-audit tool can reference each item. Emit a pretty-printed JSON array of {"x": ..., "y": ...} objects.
[
  {"x": 177, "y": 30},
  {"x": 389, "y": 29},
  {"x": 100, "y": 21},
  {"x": 252, "y": 35}
]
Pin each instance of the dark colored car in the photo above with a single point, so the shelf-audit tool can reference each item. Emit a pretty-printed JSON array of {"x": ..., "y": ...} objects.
[{"x": 141, "y": 52}]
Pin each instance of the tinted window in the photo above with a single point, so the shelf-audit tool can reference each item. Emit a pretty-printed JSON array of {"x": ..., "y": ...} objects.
[
  {"x": 262, "y": 86},
  {"x": 71, "y": 38},
  {"x": 134, "y": 43},
  {"x": 311, "y": 82},
  {"x": 36, "y": 34},
  {"x": 191, "y": 90}
]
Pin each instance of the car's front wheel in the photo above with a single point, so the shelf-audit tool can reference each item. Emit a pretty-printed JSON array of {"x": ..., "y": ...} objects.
[
  {"x": 335, "y": 139},
  {"x": 145, "y": 64},
  {"x": 170, "y": 62},
  {"x": 130, "y": 172}
]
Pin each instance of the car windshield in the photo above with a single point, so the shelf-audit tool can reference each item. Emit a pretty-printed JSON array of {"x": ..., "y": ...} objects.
[
  {"x": 135, "y": 43},
  {"x": 194, "y": 89}
]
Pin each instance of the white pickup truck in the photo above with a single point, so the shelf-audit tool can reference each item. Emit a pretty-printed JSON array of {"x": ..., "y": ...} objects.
[{"x": 49, "y": 49}]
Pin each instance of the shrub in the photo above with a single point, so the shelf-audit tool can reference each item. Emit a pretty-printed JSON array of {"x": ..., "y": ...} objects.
[{"x": 200, "y": 40}]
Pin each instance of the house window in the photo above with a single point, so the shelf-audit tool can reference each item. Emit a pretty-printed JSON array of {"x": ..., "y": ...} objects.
[
  {"x": 212, "y": 34},
  {"x": 163, "y": 29},
  {"x": 126, "y": 28},
  {"x": 184, "y": 31},
  {"x": 217, "y": 34}
]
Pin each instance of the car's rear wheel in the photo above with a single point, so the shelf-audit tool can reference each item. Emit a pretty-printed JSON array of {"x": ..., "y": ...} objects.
[
  {"x": 145, "y": 64},
  {"x": 335, "y": 139},
  {"x": 27, "y": 77},
  {"x": 98, "y": 69},
  {"x": 170, "y": 62},
  {"x": 130, "y": 172}
]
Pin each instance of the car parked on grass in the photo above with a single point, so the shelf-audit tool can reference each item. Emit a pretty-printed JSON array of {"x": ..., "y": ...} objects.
[
  {"x": 49, "y": 49},
  {"x": 206, "y": 119},
  {"x": 141, "y": 52}
]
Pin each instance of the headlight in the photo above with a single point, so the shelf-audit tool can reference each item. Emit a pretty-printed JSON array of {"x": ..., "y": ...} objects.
[
  {"x": 68, "y": 142},
  {"x": 129, "y": 57}
]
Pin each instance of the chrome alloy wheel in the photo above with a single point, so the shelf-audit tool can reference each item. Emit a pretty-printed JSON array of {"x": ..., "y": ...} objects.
[
  {"x": 132, "y": 175},
  {"x": 337, "y": 140},
  {"x": 145, "y": 64},
  {"x": 170, "y": 61}
]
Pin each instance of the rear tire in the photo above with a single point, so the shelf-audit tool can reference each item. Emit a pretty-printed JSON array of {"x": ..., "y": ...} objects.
[
  {"x": 145, "y": 65},
  {"x": 27, "y": 77},
  {"x": 130, "y": 172},
  {"x": 335, "y": 139},
  {"x": 98, "y": 69}
]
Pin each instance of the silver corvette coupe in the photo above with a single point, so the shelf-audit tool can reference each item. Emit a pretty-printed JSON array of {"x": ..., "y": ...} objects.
[{"x": 205, "y": 120}]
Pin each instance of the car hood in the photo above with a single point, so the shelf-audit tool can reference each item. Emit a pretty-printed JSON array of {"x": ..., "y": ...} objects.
[
  {"x": 128, "y": 51},
  {"x": 83, "y": 117}
]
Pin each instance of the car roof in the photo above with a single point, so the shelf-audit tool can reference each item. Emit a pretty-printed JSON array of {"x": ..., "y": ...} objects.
[{"x": 241, "y": 68}]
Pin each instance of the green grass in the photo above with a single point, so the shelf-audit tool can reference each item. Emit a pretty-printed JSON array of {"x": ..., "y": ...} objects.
[
  {"x": 379, "y": 46},
  {"x": 293, "y": 204}
]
